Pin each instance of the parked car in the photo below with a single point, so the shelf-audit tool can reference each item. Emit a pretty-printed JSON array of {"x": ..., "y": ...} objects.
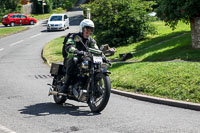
[
  {"x": 58, "y": 22},
  {"x": 13, "y": 19}
]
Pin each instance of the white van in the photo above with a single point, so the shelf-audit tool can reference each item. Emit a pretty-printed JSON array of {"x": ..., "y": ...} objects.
[{"x": 58, "y": 22}]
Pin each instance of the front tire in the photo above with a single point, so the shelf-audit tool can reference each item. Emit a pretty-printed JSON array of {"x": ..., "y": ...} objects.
[
  {"x": 32, "y": 22},
  {"x": 12, "y": 24},
  {"x": 5, "y": 25},
  {"x": 101, "y": 88}
]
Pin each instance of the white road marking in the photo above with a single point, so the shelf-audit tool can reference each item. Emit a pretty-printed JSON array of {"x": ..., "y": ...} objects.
[
  {"x": 35, "y": 35},
  {"x": 5, "y": 129},
  {"x": 1, "y": 49},
  {"x": 16, "y": 43}
]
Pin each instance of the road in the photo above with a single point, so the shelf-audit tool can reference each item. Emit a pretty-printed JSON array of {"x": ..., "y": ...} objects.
[{"x": 26, "y": 108}]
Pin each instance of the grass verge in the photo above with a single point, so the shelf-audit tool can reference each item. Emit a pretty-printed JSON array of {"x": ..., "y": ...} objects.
[
  {"x": 53, "y": 50},
  {"x": 163, "y": 79},
  {"x": 47, "y": 15},
  {"x": 11, "y": 30}
]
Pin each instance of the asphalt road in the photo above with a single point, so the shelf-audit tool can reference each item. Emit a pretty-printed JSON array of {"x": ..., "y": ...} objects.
[{"x": 26, "y": 108}]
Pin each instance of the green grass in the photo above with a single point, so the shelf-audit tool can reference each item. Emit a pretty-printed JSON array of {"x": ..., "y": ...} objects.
[
  {"x": 163, "y": 33},
  {"x": 10, "y": 30},
  {"x": 175, "y": 80},
  {"x": 176, "y": 49},
  {"x": 47, "y": 15},
  {"x": 53, "y": 50}
]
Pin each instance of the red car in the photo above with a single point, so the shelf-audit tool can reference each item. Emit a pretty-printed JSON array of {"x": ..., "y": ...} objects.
[{"x": 16, "y": 18}]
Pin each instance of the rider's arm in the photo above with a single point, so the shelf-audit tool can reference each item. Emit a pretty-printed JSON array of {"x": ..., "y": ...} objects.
[
  {"x": 71, "y": 49},
  {"x": 71, "y": 45},
  {"x": 94, "y": 44}
]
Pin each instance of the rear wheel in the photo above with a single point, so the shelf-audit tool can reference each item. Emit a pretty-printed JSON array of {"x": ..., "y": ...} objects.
[
  {"x": 32, "y": 22},
  {"x": 12, "y": 24},
  {"x": 99, "y": 99},
  {"x": 57, "y": 82},
  {"x": 5, "y": 25}
]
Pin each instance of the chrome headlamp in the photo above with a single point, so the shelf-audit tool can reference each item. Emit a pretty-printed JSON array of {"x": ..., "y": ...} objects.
[{"x": 85, "y": 64}]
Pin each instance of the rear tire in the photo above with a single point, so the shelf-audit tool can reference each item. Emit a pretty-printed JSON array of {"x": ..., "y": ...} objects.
[
  {"x": 58, "y": 84},
  {"x": 5, "y": 25},
  {"x": 105, "y": 97},
  {"x": 12, "y": 24},
  {"x": 32, "y": 22}
]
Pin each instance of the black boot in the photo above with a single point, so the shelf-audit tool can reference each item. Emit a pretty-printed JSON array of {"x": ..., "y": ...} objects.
[{"x": 64, "y": 89}]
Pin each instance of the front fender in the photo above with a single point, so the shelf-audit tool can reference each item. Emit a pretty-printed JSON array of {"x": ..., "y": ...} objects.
[{"x": 105, "y": 71}]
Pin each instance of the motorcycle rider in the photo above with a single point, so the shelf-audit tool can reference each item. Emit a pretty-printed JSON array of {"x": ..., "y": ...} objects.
[{"x": 75, "y": 47}]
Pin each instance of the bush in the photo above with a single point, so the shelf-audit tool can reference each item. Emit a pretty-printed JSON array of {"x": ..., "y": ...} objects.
[
  {"x": 38, "y": 6},
  {"x": 53, "y": 4},
  {"x": 172, "y": 11},
  {"x": 70, "y": 3},
  {"x": 120, "y": 22}
]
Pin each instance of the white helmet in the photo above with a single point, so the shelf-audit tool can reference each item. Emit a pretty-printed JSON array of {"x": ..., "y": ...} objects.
[{"x": 87, "y": 23}]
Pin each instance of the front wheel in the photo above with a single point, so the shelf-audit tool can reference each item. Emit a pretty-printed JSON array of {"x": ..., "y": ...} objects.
[
  {"x": 101, "y": 94},
  {"x": 32, "y": 22},
  {"x": 12, "y": 24}
]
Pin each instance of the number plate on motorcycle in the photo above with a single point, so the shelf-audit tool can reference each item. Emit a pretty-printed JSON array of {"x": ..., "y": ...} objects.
[{"x": 97, "y": 59}]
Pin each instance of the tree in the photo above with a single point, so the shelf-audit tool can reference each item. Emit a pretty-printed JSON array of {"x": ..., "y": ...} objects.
[
  {"x": 188, "y": 11},
  {"x": 9, "y": 6},
  {"x": 120, "y": 22}
]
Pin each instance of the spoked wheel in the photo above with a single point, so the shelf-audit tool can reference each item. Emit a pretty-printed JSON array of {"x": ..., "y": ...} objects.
[
  {"x": 57, "y": 82},
  {"x": 99, "y": 98}
]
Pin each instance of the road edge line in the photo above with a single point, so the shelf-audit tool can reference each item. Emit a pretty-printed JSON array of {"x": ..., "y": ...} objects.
[
  {"x": 43, "y": 58},
  {"x": 157, "y": 100}
]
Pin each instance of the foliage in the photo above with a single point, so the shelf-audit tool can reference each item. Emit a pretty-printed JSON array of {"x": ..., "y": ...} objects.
[
  {"x": 120, "y": 22},
  {"x": 172, "y": 11},
  {"x": 9, "y": 6},
  {"x": 65, "y": 4},
  {"x": 47, "y": 15},
  {"x": 38, "y": 6},
  {"x": 53, "y": 4},
  {"x": 164, "y": 33},
  {"x": 69, "y": 3}
]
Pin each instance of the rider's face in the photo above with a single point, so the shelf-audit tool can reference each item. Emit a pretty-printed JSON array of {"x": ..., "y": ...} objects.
[{"x": 86, "y": 32}]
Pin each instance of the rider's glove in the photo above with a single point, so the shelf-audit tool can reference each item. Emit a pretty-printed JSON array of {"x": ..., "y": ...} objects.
[
  {"x": 81, "y": 53},
  {"x": 106, "y": 60}
]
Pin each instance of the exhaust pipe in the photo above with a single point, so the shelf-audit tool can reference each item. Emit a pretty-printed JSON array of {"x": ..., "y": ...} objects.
[{"x": 55, "y": 93}]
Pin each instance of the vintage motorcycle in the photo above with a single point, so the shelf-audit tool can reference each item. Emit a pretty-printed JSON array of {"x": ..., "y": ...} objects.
[{"x": 91, "y": 83}]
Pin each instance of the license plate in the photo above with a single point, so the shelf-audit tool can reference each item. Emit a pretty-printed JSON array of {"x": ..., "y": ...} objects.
[{"x": 97, "y": 59}]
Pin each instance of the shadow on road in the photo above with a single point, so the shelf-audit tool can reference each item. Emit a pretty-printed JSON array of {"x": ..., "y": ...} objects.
[
  {"x": 51, "y": 31},
  {"x": 43, "y": 109}
]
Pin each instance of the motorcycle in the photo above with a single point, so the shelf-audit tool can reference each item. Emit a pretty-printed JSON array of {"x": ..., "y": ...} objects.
[{"x": 91, "y": 83}]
